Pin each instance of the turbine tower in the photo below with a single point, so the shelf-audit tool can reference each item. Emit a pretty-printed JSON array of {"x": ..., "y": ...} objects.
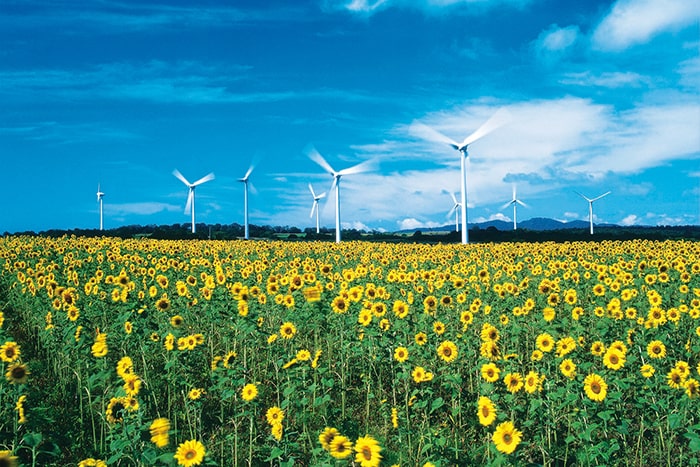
[
  {"x": 455, "y": 209},
  {"x": 100, "y": 195},
  {"x": 337, "y": 175},
  {"x": 514, "y": 202},
  {"x": 315, "y": 206},
  {"x": 189, "y": 207},
  {"x": 497, "y": 120},
  {"x": 244, "y": 180},
  {"x": 590, "y": 206}
]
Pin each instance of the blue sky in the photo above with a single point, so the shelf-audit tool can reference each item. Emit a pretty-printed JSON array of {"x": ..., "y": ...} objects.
[{"x": 602, "y": 96}]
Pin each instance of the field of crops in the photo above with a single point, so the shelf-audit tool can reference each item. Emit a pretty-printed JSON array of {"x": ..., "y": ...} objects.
[{"x": 141, "y": 352}]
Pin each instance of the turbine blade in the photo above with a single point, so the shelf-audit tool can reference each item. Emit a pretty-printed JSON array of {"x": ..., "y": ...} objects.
[
  {"x": 601, "y": 196},
  {"x": 589, "y": 200},
  {"x": 509, "y": 203},
  {"x": 315, "y": 156},
  {"x": 253, "y": 190},
  {"x": 522, "y": 204},
  {"x": 181, "y": 177},
  {"x": 321, "y": 196},
  {"x": 451, "y": 211},
  {"x": 250, "y": 171},
  {"x": 204, "y": 179},
  {"x": 311, "y": 189},
  {"x": 500, "y": 118},
  {"x": 365, "y": 166},
  {"x": 454, "y": 198},
  {"x": 430, "y": 134},
  {"x": 313, "y": 207},
  {"x": 188, "y": 205}
]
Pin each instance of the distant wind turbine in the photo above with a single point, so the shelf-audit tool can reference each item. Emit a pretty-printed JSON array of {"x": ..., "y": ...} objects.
[
  {"x": 514, "y": 202},
  {"x": 590, "y": 206},
  {"x": 500, "y": 118},
  {"x": 455, "y": 209},
  {"x": 315, "y": 205},
  {"x": 244, "y": 180},
  {"x": 189, "y": 207},
  {"x": 359, "y": 168},
  {"x": 100, "y": 195}
]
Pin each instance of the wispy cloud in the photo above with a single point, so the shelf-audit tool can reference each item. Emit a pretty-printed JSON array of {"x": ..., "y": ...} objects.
[
  {"x": 110, "y": 16},
  {"x": 555, "y": 42},
  {"x": 141, "y": 209},
  {"x": 63, "y": 133},
  {"x": 368, "y": 7},
  {"x": 610, "y": 80},
  {"x": 632, "y": 22}
]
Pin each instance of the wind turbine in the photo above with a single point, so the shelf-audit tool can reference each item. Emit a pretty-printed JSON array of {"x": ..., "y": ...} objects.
[
  {"x": 315, "y": 205},
  {"x": 189, "y": 207},
  {"x": 501, "y": 117},
  {"x": 515, "y": 201},
  {"x": 590, "y": 206},
  {"x": 361, "y": 167},
  {"x": 100, "y": 195},
  {"x": 244, "y": 180},
  {"x": 455, "y": 209}
]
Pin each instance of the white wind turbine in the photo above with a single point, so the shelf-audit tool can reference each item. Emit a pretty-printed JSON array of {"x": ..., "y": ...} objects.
[
  {"x": 244, "y": 180},
  {"x": 455, "y": 209},
  {"x": 514, "y": 202},
  {"x": 361, "y": 167},
  {"x": 100, "y": 195},
  {"x": 314, "y": 207},
  {"x": 500, "y": 118},
  {"x": 189, "y": 207},
  {"x": 590, "y": 206}
]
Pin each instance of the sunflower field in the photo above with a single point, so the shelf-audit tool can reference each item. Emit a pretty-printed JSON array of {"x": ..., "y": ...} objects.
[{"x": 152, "y": 352}]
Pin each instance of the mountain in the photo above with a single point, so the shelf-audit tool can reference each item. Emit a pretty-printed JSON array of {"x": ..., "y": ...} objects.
[{"x": 536, "y": 223}]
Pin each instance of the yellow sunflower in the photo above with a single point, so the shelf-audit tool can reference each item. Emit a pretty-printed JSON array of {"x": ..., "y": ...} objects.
[
  {"x": 190, "y": 453},
  {"x": 506, "y": 437},
  {"x": 447, "y": 351},
  {"x": 486, "y": 411},
  {"x": 595, "y": 387},
  {"x": 367, "y": 451},
  {"x": 249, "y": 392}
]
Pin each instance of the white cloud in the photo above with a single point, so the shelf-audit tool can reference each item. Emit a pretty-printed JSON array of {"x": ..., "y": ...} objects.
[
  {"x": 632, "y": 219},
  {"x": 412, "y": 223},
  {"x": 632, "y": 22},
  {"x": 427, "y": 6},
  {"x": 606, "y": 80},
  {"x": 143, "y": 209},
  {"x": 571, "y": 215},
  {"x": 555, "y": 42},
  {"x": 493, "y": 217}
]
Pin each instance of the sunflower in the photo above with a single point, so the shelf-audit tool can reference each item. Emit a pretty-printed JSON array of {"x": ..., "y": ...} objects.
[
  {"x": 367, "y": 451},
  {"x": 675, "y": 378},
  {"x": 326, "y": 437},
  {"x": 647, "y": 370},
  {"x": 195, "y": 393},
  {"x": 597, "y": 348},
  {"x": 159, "y": 432},
  {"x": 533, "y": 382},
  {"x": 536, "y": 355},
  {"x": 549, "y": 314},
  {"x": 115, "y": 410},
  {"x": 486, "y": 411},
  {"x": 7, "y": 459},
  {"x": 568, "y": 368},
  {"x": 190, "y": 453},
  {"x": 656, "y": 349},
  {"x": 692, "y": 388},
  {"x": 340, "y": 447},
  {"x": 90, "y": 462},
  {"x": 9, "y": 352},
  {"x": 401, "y": 354},
  {"x": 544, "y": 342},
  {"x": 249, "y": 392},
  {"x": 489, "y": 333},
  {"x": 73, "y": 313},
  {"x": 506, "y": 437},
  {"x": 176, "y": 321},
  {"x": 99, "y": 347},
  {"x": 287, "y": 330},
  {"x": 365, "y": 317},
  {"x": 163, "y": 304},
  {"x": 276, "y": 431},
  {"x": 274, "y": 415},
  {"x": 614, "y": 359},
  {"x": 439, "y": 328},
  {"x": 132, "y": 384},
  {"x": 400, "y": 309},
  {"x": 565, "y": 346},
  {"x": 447, "y": 351},
  {"x": 339, "y": 305},
  {"x": 513, "y": 382},
  {"x": 17, "y": 374},
  {"x": 595, "y": 387},
  {"x": 421, "y": 338},
  {"x": 169, "y": 342}
]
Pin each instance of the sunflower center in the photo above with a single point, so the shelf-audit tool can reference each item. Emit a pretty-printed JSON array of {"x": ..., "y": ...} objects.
[
  {"x": 367, "y": 452},
  {"x": 190, "y": 454},
  {"x": 595, "y": 388},
  {"x": 507, "y": 438}
]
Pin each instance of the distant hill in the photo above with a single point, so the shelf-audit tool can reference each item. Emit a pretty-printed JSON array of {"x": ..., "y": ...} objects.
[{"x": 536, "y": 223}]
